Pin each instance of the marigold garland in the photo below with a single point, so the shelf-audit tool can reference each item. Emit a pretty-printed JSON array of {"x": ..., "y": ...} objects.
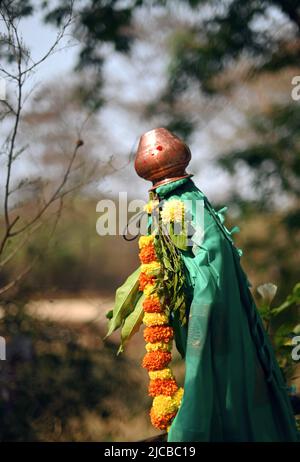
[
  {"x": 159, "y": 346},
  {"x": 158, "y": 335},
  {"x": 151, "y": 269},
  {"x": 150, "y": 206},
  {"x": 145, "y": 240},
  {"x": 165, "y": 387},
  {"x": 147, "y": 254},
  {"x": 149, "y": 289},
  {"x": 155, "y": 360},
  {"x": 152, "y": 304},
  {"x": 167, "y": 404},
  {"x": 163, "y": 374},
  {"x": 162, "y": 422},
  {"x": 145, "y": 280},
  {"x": 155, "y": 319}
]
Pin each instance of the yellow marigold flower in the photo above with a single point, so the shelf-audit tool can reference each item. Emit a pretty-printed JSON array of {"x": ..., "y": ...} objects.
[
  {"x": 152, "y": 304},
  {"x": 145, "y": 240},
  {"x": 178, "y": 396},
  {"x": 154, "y": 298},
  {"x": 149, "y": 289},
  {"x": 163, "y": 374},
  {"x": 163, "y": 405},
  {"x": 161, "y": 422},
  {"x": 159, "y": 346},
  {"x": 173, "y": 211},
  {"x": 155, "y": 319},
  {"x": 151, "y": 268},
  {"x": 150, "y": 206}
]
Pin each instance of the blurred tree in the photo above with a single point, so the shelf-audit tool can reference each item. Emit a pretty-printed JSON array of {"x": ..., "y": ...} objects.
[
  {"x": 17, "y": 227},
  {"x": 97, "y": 25},
  {"x": 235, "y": 43},
  {"x": 274, "y": 156},
  {"x": 216, "y": 50},
  {"x": 222, "y": 54},
  {"x": 247, "y": 54},
  {"x": 266, "y": 32},
  {"x": 41, "y": 160},
  {"x": 58, "y": 383}
]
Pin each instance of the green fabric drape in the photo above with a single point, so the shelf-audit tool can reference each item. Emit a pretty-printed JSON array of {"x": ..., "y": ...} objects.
[{"x": 233, "y": 388}]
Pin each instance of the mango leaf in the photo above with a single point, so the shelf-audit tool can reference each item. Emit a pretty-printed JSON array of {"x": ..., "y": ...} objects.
[
  {"x": 132, "y": 324},
  {"x": 167, "y": 263},
  {"x": 180, "y": 240},
  {"x": 126, "y": 298}
]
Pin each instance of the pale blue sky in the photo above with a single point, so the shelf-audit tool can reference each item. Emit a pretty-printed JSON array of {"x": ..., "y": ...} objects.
[{"x": 39, "y": 36}]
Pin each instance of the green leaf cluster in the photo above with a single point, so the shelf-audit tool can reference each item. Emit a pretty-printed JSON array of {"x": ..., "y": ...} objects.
[
  {"x": 283, "y": 331},
  {"x": 127, "y": 313},
  {"x": 171, "y": 281}
]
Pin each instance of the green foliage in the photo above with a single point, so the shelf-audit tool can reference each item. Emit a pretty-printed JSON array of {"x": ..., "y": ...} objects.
[
  {"x": 96, "y": 24},
  {"x": 179, "y": 237},
  {"x": 132, "y": 324},
  {"x": 12, "y": 10},
  {"x": 275, "y": 154},
  {"x": 171, "y": 280},
  {"x": 281, "y": 333},
  {"x": 127, "y": 296},
  {"x": 229, "y": 33},
  {"x": 99, "y": 22},
  {"x": 17, "y": 8}
]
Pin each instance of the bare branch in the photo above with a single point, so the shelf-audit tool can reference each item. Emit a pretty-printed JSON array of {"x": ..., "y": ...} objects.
[
  {"x": 20, "y": 276},
  {"x": 15, "y": 42},
  {"x": 8, "y": 225},
  {"x": 24, "y": 66},
  {"x": 6, "y": 103},
  {"x": 18, "y": 247},
  {"x": 55, "y": 196},
  {"x": 51, "y": 50},
  {"x": 23, "y": 273}
]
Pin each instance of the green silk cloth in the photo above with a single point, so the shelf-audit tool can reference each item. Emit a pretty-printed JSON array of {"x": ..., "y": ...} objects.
[{"x": 233, "y": 387}]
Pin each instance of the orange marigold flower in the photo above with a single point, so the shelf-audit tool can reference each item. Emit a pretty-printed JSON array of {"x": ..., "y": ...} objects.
[
  {"x": 161, "y": 422},
  {"x": 152, "y": 305},
  {"x": 155, "y": 334},
  {"x": 165, "y": 387},
  {"x": 156, "y": 360},
  {"x": 144, "y": 280},
  {"x": 147, "y": 254}
]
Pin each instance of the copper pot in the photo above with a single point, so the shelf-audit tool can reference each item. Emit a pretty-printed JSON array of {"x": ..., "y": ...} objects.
[{"x": 161, "y": 157}]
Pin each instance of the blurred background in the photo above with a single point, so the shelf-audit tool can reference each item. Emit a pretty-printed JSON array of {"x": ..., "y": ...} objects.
[{"x": 80, "y": 82}]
